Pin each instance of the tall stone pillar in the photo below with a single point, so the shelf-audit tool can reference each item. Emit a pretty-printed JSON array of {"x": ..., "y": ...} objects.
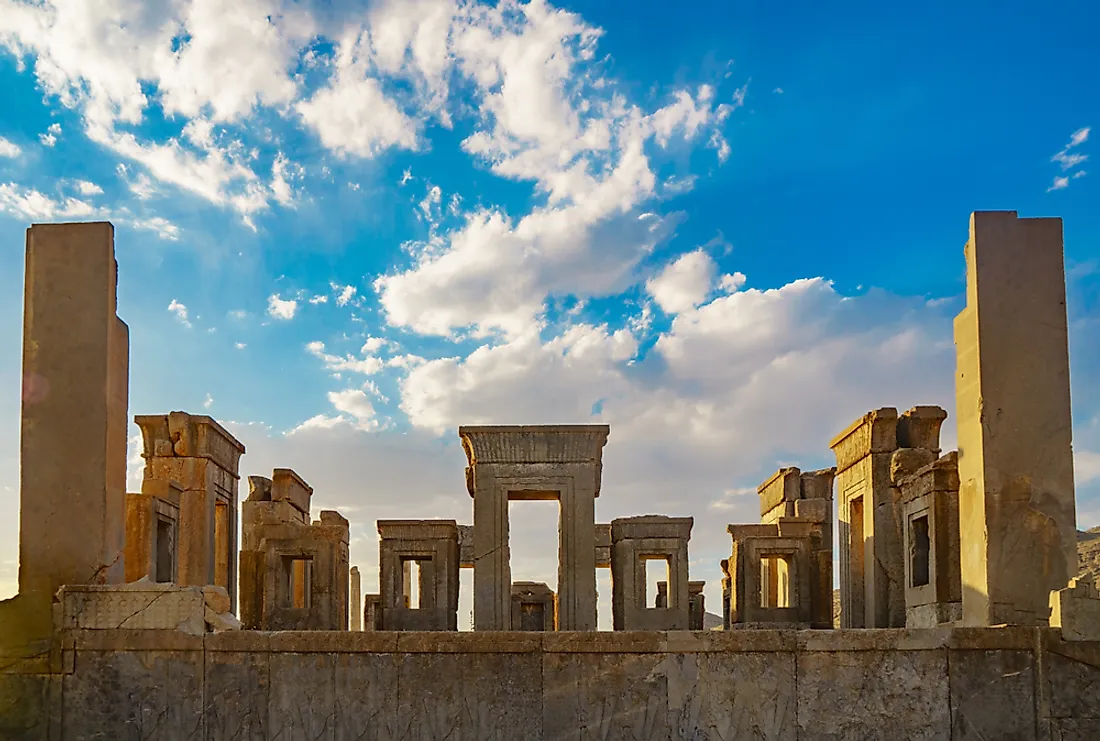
[
  {"x": 515, "y": 463},
  {"x": 204, "y": 458},
  {"x": 74, "y": 414},
  {"x": 356, "y": 600},
  {"x": 1017, "y": 517}
]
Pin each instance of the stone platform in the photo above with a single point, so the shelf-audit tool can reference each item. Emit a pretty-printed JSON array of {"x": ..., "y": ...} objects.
[{"x": 962, "y": 683}]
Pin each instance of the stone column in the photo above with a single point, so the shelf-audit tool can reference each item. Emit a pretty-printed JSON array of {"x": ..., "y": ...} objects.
[
  {"x": 204, "y": 458},
  {"x": 1017, "y": 516},
  {"x": 73, "y": 426},
  {"x": 577, "y": 555},
  {"x": 356, "y": 607},
  {"x": 492, "y": 567}
]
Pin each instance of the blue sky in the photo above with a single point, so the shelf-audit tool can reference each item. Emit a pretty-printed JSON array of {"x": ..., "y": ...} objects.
[{"x": 727, "y": 230}]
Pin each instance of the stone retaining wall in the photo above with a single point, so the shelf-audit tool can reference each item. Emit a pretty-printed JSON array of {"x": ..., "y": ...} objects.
[{"x": 982, "y": 683}]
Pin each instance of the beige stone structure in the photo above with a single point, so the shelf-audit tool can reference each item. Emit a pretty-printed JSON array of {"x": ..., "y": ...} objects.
[
  {"x": 634, "y": 542},
  {"x": 929, "y": 497},
  {"x": 73, "y": 420},
  {"x": 203, "y": 458},
  {"x": 534, "y": 606},
  {"x": 294, "y": 573},
  {"x": 355, "y": 609},
  {"x": 152, "y": 532},
  {"x": 509, "y": 463},
  {"x": 770, "y": 570},
  {"x": 372, "y": 612},
  {"x": 1018, "y": 524},
  {"x": 791, "y": 496},
  {"x": 872, "y": 562},
  {"x": 1076, "y": 610},
  {"x": 418, "y": 574},
  {"x": 696, "y": 602}
]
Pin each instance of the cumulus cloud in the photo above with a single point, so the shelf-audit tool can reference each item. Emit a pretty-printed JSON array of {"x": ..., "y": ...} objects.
[
  {"x": 283, "y": 309},
  {"x": 9, "y": 148},
  {"x": 49, "y": 138},
  {"x": 28, "y": 203},
  {"x": 684, "y": 283},
  {"x": 343, "y": 294},
  {"x": 367, "y": 365},
  {"x": 87, "y": 188}
]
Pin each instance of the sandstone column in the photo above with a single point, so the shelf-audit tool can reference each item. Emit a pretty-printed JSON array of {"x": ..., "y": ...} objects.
[
  {"x": 356, "y": 607},
  {"x": 74, "y": 413},
  {"x": 577, "y": 555},
  {"x": 1017, "y": 516}
]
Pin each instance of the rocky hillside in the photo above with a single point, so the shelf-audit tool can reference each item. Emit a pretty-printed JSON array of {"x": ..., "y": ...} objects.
[{"x": 1088, "y": 551}]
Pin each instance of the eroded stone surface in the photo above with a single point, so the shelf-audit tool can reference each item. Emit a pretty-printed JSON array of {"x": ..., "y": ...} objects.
[{"x": 992, "y": 695}]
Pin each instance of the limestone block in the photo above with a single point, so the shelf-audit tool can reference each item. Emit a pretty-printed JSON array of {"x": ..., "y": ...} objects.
[
  {"x": 237, "y": 690},
  {"x": 151, "y": 694},
  {"x": 302, "y": 699},
  {"x": 140, "y": 606},
  {"x": 216, "y": 598},
  {"x": 907, "y": 461},
  {"x": 259, "y": 489},
  {"x": 220, "y": 622},
  {"x": 1076, "y": 610},
  {"x": 992, "y": 695},
  {"x": 1073, "y": 682},
  {"x": 874, "y": 432},
  {"x": 919, "y": 427},
  {"x": 492, "y": 696},
  {"x": 785, "y": 485},
  {"x": 818, "y": 484},
  {"x": 814, "y": 510},
  {"x": 287, "y": 486},
  {"x": 1016, "y": 495},
  {"x": 366, "y": 697},
  {"x": 856, "y": 695}
]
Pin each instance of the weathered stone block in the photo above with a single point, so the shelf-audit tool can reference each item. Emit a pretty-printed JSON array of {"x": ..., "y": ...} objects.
[
  {"x": 302, "y": 701},
  {"x": 851, "y": 696},
  {"x": 237, "y": 693},
  {"x": 992, "y": 695},
  {"x": 135, "y": 606}
]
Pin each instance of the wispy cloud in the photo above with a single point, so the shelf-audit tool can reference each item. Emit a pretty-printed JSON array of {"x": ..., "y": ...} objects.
[
  {"x": 9, "y": 148},
  {"x": 1068, "y": 159},
  {"x": 180, "y": 310},
  {"x": 29, "y": 203}
]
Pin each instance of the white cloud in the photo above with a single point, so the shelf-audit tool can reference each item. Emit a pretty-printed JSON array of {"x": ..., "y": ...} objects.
[
  {"x": 164, "y": 228},
  {"x": 367, "y": 365},
  {"x": 1086, "y": 466},
  {"x": 180, "y": 310},
  {"x": 29, "y": 203},
  {"x": 1068, "y": 160},
  {"x": 283, "y": 172},
  {"x": 9, "y": 148},
  {"x": 344, "y": 294},
  {"x": 352, "y": 115},
  {"x": 280, "y": 308},
  {"x": 240, "y": 345},
  {"x": 356, "y": 404},
  {"x": 87, "y": 188},
  {"x": 684, "y": 283},
  {"x": 1079, "y": 137},
  {"x": 1058, "y": 184},
  {"x": 319, "y": 300},
  {"x": 732, "y": 282},
  {"x": 49, "y": 138},
  {"x": 208, "y": 401},
  {"x": 429, "y": 206},
  {"x": 778, "y": 91},
  {"x": 1079, "y": 174}
]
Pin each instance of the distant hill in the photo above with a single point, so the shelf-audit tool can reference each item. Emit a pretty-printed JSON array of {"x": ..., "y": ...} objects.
[{"x": 1088, "y": 556}]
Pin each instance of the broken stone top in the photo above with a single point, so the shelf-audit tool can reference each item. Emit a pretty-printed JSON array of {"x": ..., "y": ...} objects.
[
  {"x": 920, "y": 428},
  {"x": 651, "y": 526},
  {"x": 417, "y": 529},
  {"x": 260, "y": 488},
  {"x": 287, "y": 486},
  {"x": 792, "y": 484},
  {"x": 884, "y": 431},
  {"x": 179, "y": 434},
  {"x": 534, "y": 443}
]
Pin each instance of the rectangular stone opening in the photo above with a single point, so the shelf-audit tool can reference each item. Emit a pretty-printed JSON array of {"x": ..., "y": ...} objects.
[
  {"x": 298, "y": 581},
  {"x": 920, "y": 551},
  {"x": 777, "y": 581},
  {"x": 533, "y": 548},
  {"x": 221, "y": 544},
  {"x": 165, "y": 551},
  {"x": 657, "y": 569},
  {"x": 411, "y": 584},
  {"x": 855, "y": 558}
]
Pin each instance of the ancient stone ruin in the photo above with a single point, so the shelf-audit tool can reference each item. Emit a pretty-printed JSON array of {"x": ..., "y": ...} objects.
[{"x": 961, "y": 616}]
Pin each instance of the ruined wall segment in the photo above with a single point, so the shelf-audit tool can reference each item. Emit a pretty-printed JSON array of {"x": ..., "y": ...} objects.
[
  {"x": 554, "y": 462},
  {"x": 1017, "y": 513},
  {"x": 74, "y": 415},
  {"x": 204, "y": 459}
]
